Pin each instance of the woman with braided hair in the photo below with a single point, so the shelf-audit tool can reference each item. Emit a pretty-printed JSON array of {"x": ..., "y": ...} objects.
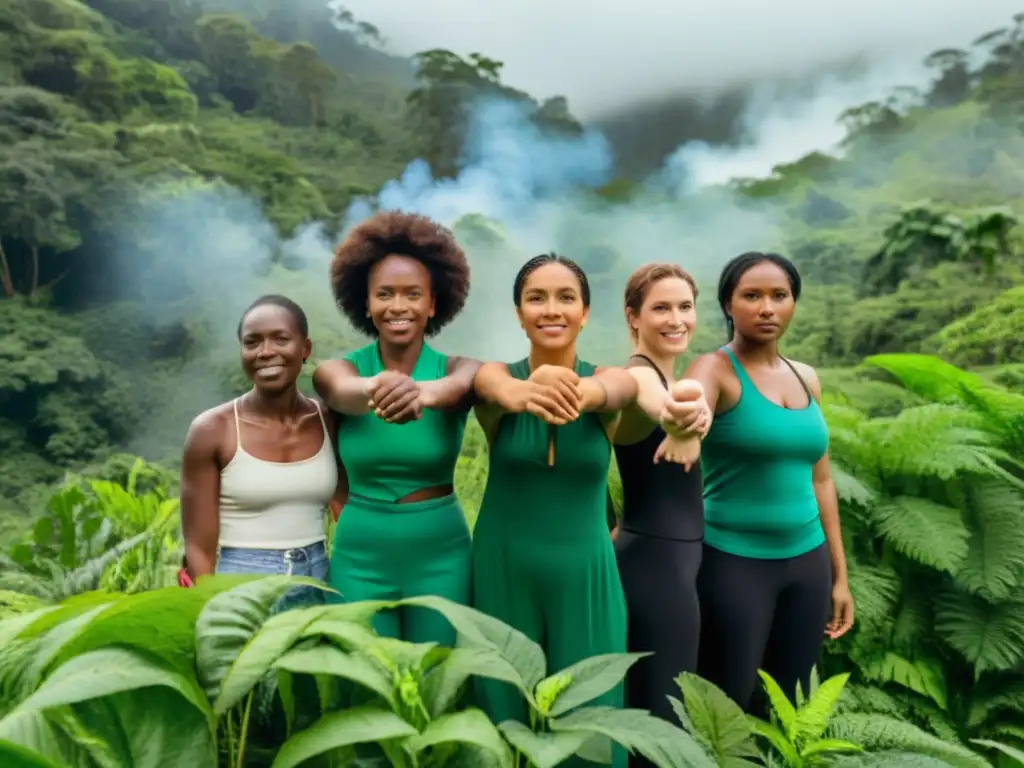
[{"x": 403, "y": 407}]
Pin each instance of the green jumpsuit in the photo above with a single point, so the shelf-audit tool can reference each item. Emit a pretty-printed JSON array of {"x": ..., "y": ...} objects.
[
  {"x": 543, "y": 561},
  {"x": 384, "y": 550}
]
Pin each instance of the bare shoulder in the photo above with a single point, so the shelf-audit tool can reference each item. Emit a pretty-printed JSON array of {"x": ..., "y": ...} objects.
[
  {"x": 207, "y": 429},
  {"x": 809, "y": 375},
  {"x": 709, "y": 364}
]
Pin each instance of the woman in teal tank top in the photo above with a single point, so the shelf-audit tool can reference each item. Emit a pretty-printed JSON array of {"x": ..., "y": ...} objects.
[
  {"x": 403, "y": 407},
  {"x": 542, "y": 554},
  {"x": 773, "y": 581}
]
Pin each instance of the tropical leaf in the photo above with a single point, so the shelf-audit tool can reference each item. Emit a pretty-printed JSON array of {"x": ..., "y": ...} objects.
[
  {"x": 932, "y": 534},
  {"x": 470, "y": 726},
  {"x": 813, "y": 717},
  {"x": 878, "y": 732},
  {"x": 543, "y": 750},
  {"x": 591, "y": 678},
  {"x": 336, "y": 730},
  {"x": 989, "y": 636},
  {"x": 718, "y": 721},
  {"x": 925, "y": 677},
  {"x": 664, "y": 744},
  {"x": 1007, "y": 750},
  {"x": 994, "y": 565}
]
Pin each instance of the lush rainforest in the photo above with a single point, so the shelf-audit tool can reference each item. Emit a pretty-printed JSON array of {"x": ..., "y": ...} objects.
[{"x": 130, "y": 132}]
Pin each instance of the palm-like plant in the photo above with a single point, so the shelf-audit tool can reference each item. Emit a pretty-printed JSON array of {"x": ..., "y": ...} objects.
[{"x": 933, "y": 515}]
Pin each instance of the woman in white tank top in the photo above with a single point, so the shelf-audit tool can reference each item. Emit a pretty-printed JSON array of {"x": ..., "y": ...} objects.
[{"x": 258, "y": 472}]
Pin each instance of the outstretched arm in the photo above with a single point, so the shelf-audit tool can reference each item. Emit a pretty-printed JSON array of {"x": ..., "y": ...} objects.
[
  {"x": 455, "y": 391},
  {"x": 200, "y": 494},
  {"x": 609, "y": 390},
  {"x": 340, "y": 386}
]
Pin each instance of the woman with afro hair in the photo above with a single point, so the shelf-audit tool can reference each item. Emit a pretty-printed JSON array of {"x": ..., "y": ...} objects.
[{"x": 403, "y": 407}]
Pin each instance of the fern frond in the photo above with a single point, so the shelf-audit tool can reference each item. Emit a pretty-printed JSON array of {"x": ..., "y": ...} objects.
[
  {"x": 888, "y": 759},
  {"x": 876, "y": 590},
  {"x": 994, "y": 565},
  {"x": 851, "y": 490},
  {"x": 990, "y": 636},
  {"x": 1007, "y": 750},
  {"x": 999, "y": 694},
  {"x": 915, "y": 621},
  {"x": 878, "y": 732},
  {"x": 812, "y": 718},
  {"x": 922, "y": 676},
  {"x": 867, "y": 699},
  {"x": 929, "y": 533},
  {"x": 782, "y": 706},
  {"x": 941, "y": 441}
]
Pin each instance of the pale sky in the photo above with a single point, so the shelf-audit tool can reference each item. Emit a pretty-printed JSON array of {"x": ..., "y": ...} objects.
[{"x": 605, "y": 54}]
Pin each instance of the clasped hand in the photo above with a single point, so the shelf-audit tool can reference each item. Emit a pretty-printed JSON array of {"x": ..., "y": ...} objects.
[
  {"x": 553, "y": 394},
  {"x": 395, "y": 397},
  {"x": 686, "y": 411}
]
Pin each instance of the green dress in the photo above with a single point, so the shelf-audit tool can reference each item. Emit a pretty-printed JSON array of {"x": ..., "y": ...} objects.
[
  {"x": 384, "y": 550},
  {"x": 543, "y": 561}
]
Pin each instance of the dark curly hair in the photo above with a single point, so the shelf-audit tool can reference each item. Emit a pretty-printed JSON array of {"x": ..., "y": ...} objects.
[
  {"x": 397, "y": 233},
  {"x": 542, "y": 260},
  {"x": 277, "y": 300}
]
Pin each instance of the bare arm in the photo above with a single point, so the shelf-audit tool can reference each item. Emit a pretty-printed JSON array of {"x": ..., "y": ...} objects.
[
  {"x": 705, "y": 370},
  {"x": 640, "y": 418},
  {"x": 828, "y": 511},
  {"x": 200, "y": 496},
  {"x": 455, "y": 391},
  {"x": 494, "y": 385},
  {"x": 340, "y": 496},
  {"x": 609, "y": 390},
  {"x": 341, "y": 387}
]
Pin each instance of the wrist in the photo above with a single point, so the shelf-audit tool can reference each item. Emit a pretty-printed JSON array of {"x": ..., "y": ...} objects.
[
  {"x": 594, "y": 395},
  {"x": 428, "y": 394}
]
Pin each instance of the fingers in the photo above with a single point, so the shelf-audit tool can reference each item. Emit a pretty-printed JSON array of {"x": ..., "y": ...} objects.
[
  {"x": 399, "y": 405},
  {"x": 549, "y": 410},
  {"x": 842, "y": 619},
  {"x": 400, "y": 392},
  {"x": 571, "y": 392}
]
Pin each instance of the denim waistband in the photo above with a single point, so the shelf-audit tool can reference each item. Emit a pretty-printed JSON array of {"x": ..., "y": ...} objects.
[{"x": 314, "y": 551}]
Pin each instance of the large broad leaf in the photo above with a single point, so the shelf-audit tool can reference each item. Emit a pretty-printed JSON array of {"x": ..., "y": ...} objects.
[
  {"x": 33, "y": 731},
  {"x": 359, "y": 725},
  {"x": 442, "y": 684},
  {"x": 256, "y": 656},
  {"x": 664, "y": 744},
  {"x": 149, "y": 728},
  {"x": 470, "y": 726},
  {"x": 107, "y": 671},
  {"x": 477, "y": 628},
  {"x": 229, "y": 621},
  {"x": 11, "y": 629},
  {"x": 13, "y": 756},
  {"x": 328, "y": 660},
  {"x": 1007, "y": 750},
  {"x": 989, "y": 636},
  {"x": 543, "y": 750},
  {"x": 718, "y": 720},
  {"x": 592, "y": 677}
]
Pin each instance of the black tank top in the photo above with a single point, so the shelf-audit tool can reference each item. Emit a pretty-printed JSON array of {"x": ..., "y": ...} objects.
[{"x": 661, "y": 499}]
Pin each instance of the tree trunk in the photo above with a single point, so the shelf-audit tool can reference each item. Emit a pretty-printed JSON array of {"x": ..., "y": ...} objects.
[{"x": 5, "y": 274}]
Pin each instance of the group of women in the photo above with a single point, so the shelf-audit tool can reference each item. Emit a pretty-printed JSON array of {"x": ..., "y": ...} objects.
[{"x": 727, "y": 558}]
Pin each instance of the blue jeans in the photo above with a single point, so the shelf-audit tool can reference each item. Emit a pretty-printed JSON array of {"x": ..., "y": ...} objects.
[{"x": 308, "y": 561}]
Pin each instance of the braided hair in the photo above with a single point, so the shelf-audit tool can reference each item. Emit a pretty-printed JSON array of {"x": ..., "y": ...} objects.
[{"x": 550, "y": 258}]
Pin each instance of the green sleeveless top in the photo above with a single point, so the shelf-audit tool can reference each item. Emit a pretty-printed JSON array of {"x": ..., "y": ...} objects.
[
  {"x": 386, "y": 462},
  {"x": 757, "y": 461},
  {"x": 559, "y": 502}
]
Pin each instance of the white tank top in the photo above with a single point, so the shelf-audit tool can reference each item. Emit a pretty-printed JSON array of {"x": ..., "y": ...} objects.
[{"x": 275, "y": 505}]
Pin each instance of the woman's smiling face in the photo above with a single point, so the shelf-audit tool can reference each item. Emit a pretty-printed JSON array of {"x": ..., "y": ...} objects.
[{"x": 551, "y": 308}]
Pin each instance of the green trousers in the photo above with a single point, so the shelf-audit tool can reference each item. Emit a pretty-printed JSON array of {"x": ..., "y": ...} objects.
[{"x": 388, "y": 551}]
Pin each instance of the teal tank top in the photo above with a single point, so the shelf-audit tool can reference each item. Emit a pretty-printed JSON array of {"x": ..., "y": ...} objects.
[
  {"x": 757, "y": 461},
  {"x": 386, "y": 462}
]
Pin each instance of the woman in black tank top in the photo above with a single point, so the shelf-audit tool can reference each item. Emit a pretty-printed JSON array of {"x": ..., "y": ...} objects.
[{"x": 658, "y": 540}]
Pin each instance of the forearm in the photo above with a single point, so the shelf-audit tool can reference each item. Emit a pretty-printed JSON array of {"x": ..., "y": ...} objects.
[
  {"x": 828, "y": 510},
  {"x": 609, "y": 391},
  {"x": 454, "y": 391},
  {"x": 342, "y": 391},
  {"x": 200, "y": 556},
  {"x": 492, "y": 382}
]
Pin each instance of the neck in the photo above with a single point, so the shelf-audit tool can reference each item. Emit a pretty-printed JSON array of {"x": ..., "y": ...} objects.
[
  {"x": 565, "y": 358},
  {"x": 665, "y": 363},
  {"x": 400, "y": 358},
  {"x": 755, "y": 352},
  {"x": 277, "y": 405}
]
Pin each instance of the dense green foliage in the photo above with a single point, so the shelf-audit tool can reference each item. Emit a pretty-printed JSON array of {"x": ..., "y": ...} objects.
[{"x": 131, "y": 132}]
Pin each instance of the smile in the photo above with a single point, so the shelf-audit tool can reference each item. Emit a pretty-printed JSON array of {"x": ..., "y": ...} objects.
[
  {"x": 551, "y": 328},
  {"x": 398, "y": 323},
  {"x": 270, "y": 371},
  {"x": 674, "y": 335}
]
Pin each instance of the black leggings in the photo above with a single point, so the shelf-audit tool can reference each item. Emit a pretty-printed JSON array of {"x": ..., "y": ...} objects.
[
  {"x": 762, "y": 614},
  {"x": 659, "y": 577}
]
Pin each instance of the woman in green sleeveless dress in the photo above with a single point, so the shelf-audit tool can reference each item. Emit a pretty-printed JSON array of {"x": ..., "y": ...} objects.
[
  {"x": 403, "y": 407},
  {"x": 543, "y": 560}
]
